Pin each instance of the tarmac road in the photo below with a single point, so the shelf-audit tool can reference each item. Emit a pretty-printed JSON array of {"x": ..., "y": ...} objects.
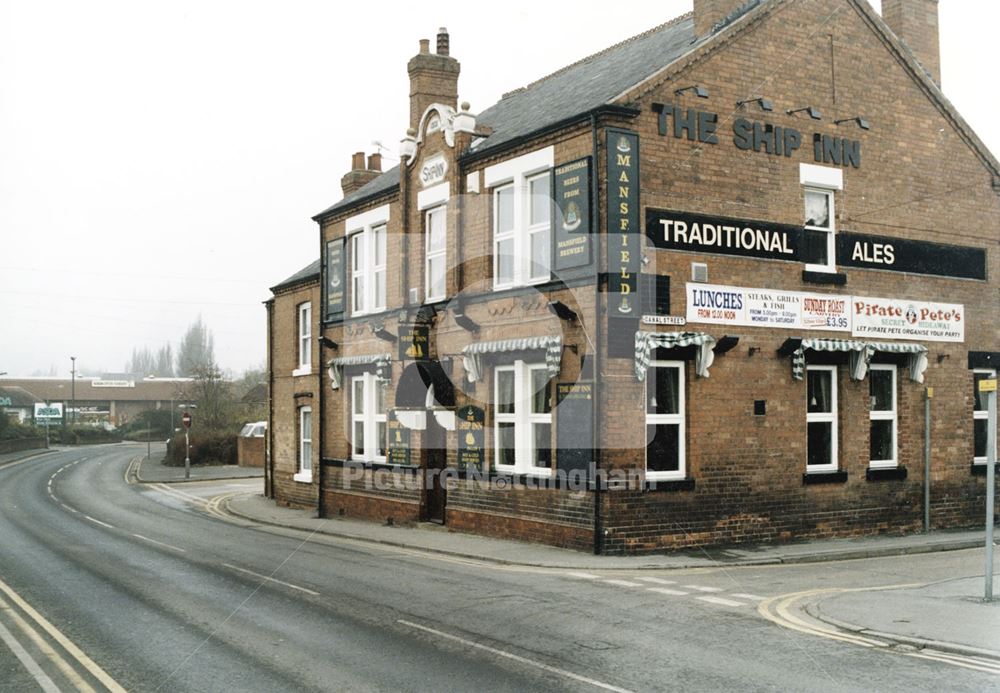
[{"x": 105, "y": 584}]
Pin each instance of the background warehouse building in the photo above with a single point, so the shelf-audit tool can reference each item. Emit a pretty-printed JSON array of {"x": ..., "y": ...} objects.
[{"x": 719, "y": 268}]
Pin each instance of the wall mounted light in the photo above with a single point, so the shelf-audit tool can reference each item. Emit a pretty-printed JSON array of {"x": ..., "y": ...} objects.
[
  {"x": 942, "y": 357},
  {"x": 813, "y": 113},
  {"x": 764, "y": 104},
  {"x": 562, "y": 311},
  {"x": 461, "y": 319},
  {"x": 328, "y": 343},
  {"x": 862, "y": 123},
  {"x": 379, "y": 331},
  {"x": 700, "y": 92}
]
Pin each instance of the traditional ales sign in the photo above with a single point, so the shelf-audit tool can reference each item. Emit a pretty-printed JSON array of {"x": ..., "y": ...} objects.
[{"x": 571, "y": 240}]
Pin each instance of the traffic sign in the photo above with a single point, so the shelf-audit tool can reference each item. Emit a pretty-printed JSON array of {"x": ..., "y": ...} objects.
[{"x": 186, "y": 419}]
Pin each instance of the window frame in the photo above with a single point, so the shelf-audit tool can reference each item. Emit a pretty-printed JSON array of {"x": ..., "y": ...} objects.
[
  {"x": 366, "y": 272},
  {"x": 680, "y": 418},
  {"x": 523, "y": 418},
  {"x": 304, "y": 339},
  {"x": 831, "y": 230},
  {"x": 369, "y": 418},
  {"x": 304, "y": 458},
  {"x": 980, "y": 414},
  {"x": 830, "y": 417},
  {"x": 429, "y": 255},
  {"x": 882, "y": 415}
]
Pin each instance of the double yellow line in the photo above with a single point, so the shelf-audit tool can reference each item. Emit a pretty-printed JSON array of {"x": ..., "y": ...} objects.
[{"x": 32, "y": 633}]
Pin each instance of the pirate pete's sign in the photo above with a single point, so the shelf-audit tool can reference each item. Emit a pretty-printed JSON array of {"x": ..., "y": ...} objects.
[{"x": 886, "y": 318}]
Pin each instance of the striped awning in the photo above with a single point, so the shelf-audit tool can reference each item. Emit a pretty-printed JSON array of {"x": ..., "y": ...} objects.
[
  {"x": 472, "y": 354},
  {"x": 382, "y": 363},
  {"x": 646, "y": 342},
  {"x": 861, "y": 355}
]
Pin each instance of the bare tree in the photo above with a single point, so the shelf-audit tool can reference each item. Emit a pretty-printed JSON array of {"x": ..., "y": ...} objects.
[{"x": 197, "y": 350}]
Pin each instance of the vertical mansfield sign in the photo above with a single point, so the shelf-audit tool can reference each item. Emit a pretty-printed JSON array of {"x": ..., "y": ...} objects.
[{"x": 624, "y": 240}]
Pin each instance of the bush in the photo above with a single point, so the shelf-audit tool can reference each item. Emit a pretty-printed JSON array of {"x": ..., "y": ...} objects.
[
  {"x": 206, "y": 448},
  {"x": 81, "y": 435},
  {"x": 12, "y": 430}
]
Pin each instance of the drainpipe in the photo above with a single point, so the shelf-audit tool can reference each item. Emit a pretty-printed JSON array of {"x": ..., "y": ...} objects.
[
  {"x": 268, "y": 460},
  {"x": 595, "y": 195}
]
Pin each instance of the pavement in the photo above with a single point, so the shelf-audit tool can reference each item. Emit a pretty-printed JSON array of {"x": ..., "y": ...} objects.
[{"x": 152, "y": 470}]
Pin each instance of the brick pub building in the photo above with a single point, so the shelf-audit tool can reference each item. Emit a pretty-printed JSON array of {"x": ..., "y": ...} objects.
[{"x": 697, "y": 288}]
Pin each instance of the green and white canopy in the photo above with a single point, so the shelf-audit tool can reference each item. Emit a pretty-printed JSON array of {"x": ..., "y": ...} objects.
[
  {"x": 861, "y": 355},
  {"x": 473, "y": 353},
  {"x": 646, "y": 342},
  {"x": 382, "y": 363}
]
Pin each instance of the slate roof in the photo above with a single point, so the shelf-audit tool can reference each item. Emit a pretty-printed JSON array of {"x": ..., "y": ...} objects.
[
  {"x": 587, "y": 84},
  {"x": 61, "y": 389},
  {"x": 384, "y": 183},
  {"x": 308, "y": 272}
]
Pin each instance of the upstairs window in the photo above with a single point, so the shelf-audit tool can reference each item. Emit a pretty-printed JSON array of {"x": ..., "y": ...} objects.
[
  {"x": 368, "y": 270},
  {"x": 304, "y": 339},
  {"x": 819, "y": 250},
  {"x": 435, "y": 267},
  {"x": 522, "y": 219}
]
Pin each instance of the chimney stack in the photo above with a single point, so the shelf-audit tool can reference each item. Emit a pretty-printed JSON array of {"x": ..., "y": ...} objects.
[
  {"x": 359, "y": 175},
  {"x": 708, "y": 13},
  {"x": 433, "y": 77},
  {"x": 916, "y": 23}
]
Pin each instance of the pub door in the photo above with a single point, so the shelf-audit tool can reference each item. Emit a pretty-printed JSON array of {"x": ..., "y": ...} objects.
[{"x": 435, "y": 461}]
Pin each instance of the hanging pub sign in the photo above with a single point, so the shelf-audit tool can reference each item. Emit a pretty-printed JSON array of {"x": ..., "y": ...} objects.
[
  {"x": 571, "y": 240},
  {"x": 335, "y": 279},
  {"x": 574, "y": 426},
  {"x": 399, "y": 441},
  {"x": 414, "y": 342},
  {"x": 722, "y": 235},
  {"x": 624, "y": 240},
  {"x": 469, "y": 422},
  {"x": 904, "y": 255}
]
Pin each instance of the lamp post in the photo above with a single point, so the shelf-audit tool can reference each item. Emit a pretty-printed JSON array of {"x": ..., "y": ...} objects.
[{"x": 72, "y": 387}]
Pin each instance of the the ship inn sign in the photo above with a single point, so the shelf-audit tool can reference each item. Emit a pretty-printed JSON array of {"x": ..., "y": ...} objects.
[{"x": 670, "y": 230}]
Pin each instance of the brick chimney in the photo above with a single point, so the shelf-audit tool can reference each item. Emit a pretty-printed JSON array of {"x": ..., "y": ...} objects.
[
  {"x": 359, "y": 175},
  {"x": 433, "y": 77},
  {"x": 916, "y": 23},
  {"x": 708, "y": 13}
]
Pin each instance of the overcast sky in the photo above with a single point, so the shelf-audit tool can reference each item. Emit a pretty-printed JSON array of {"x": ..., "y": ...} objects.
[{"x": 162, "y": 160}]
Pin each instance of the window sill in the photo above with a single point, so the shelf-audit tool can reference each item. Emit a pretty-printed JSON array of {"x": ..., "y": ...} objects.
[
  {"x": 669, "y": 485},
  {"x": 981, "y": 468},
  {"x": 303, "y": 477},
  {"x": 885, "y": 473},
  {"x": 304, "y": 370},
  {"x": 810, "y": 478},
  {"x": 833, "y": 278}
]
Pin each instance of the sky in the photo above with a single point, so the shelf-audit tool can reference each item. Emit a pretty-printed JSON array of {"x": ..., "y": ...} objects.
[{"x": 162, "y": 161}]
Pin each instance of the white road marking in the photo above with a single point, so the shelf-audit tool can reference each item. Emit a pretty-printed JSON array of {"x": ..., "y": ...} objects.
[
  {"x": 68, "y": 509},
  {"x": 751, "y": 597},
  {"x": 160, "y": 543},
  {"x": 30, "y": 664},
  {"x": 701, "y": 588},
  {"x": 667, "y": 591},
  {"x": 516, "y": 658},
  {"x": 658, "y": 581},
  {"x": 98, "y": 522},
  {"x": 63, "y": 641},
  {"x": 721, "y": 601},
  {"x": 271, "y": 579},
  {"x": 583, "y": 576},
  {"x": 624, "y": 583}
]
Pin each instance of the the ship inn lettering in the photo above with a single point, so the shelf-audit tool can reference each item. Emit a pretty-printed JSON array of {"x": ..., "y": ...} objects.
[
  {"x": 624, "y": 252},
  {"x": 671, "y": 230}
]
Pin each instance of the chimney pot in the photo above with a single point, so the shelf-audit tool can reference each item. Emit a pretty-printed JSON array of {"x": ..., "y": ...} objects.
[
  {"x": 375, "y": 162},
  {"x": 708, "y": 13},
  {"x": 916, "y": 23},
  {"x": 425, "y": 46},
  {"x": 442, "y": 42},
  {"x": 358, "y": 161}
]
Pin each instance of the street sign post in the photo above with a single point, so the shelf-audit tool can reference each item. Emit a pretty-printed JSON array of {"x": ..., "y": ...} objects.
[
  {"x": 989, "y": 389},
  {"x": 186, "y": 421}
]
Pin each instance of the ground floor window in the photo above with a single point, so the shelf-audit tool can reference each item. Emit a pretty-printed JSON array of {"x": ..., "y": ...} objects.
[
  {"x": 883, "y": 416},
  {"x": 304, "y": 464},
  {"x": 522, "y": 420},
  {"x": 665, "y": 450},
  {"x": 821, "y": 418},
  {"x": 980, "y": 416},
  {"x": 368, "y": 420}
]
